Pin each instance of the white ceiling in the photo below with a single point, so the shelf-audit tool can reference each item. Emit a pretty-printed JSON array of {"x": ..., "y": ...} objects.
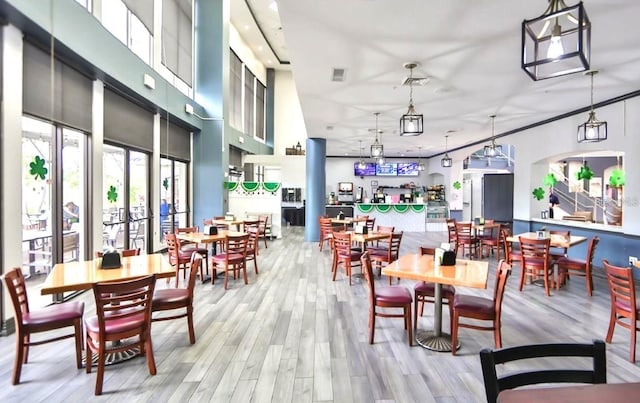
[{"x": 470, "y": 50}]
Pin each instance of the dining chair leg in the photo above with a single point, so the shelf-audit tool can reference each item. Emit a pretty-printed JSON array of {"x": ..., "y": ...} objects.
[
  {"x": 77, "y": 325},
  {"x": 612, "y": 325},
  {"x": 20, "y": 356},
  {"x": 192, "y": 333},
  {"x": 632, "y": 352},
  {"x": 497, "y": 334},
  {"x": 372, "y": 325}
]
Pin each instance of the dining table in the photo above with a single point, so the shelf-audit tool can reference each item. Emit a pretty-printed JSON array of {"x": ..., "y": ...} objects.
[
  {"x": 207, "y": 239},
  {"x": 228, "y": 223},
  {"x": 589, "y": 393},
  {"x": 556, "y": 240},
  {"x": 465, "y": 273}
]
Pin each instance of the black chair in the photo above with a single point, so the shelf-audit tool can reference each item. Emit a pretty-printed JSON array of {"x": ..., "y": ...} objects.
[{"x": 494, "y": 385}]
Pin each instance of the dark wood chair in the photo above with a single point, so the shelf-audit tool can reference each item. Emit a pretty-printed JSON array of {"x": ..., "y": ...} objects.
[
  {"x": 424, "y": 292},
  {"x": 326, "y": 232},
  {"x": 557, "y": 253},
  {"x": 382, "y": 245},
  {"x": 452, "y": 234},
  {"x": 535, "y": 261},
  {"x": 511, "y": 255},
  {"x": 386, "y": 297},
  {"x": 171, "y": 299},
  {"x": 263, "y": 228},
  {"x": 178, "y": 258},
  {"x": 580, "y": 267},
  {"x": 494, "y": 384},
  {"x": 123, "y": 311},
  {"x": 343, "y": 255},
  {"x": 480, "y": 308},
  {"x": 252, "y": 247},
  {"x": 382, "y": 257},
  {"x": 466, "y": 239},
  {"x": 624, "y": 309},
  {"x": 233, "y": 259},
  {"x": 189, "y": 247},
  {"x": 491, "y": 241},
  {"x": 28, "y": 322}
]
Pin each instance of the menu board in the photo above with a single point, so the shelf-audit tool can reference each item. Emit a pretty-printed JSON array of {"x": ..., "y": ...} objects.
[
  {"x": 368, "y": 170},
  {"x": 387, "y": 169},
  {"x": 408, "y": 169}
]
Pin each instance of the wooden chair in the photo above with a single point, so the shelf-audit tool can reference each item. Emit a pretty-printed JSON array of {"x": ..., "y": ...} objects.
[
  {"x": 511, "y": 255},
  {"x": 624, "y": 309},
  {"x": 28, "y": 322},
  {"x": 343, "y": 254},
  {"x": 326, "y": 231},
  {"x": 382, "y": 245},
  {"x": 233, "y": 259},
  {"x": 178, "y": 258},
  {"x": 263, "y": 228},
  {"x": 386, "y": 297},
  {"x": 424, "y": 292},
  {"x": 491, "y": 240},
  {"x": 382, "y": 257},
  {"x": 466, "y": 239},
  {"x": 480, "y": 308},
  {"x": 123, "y": 311},
  {"x": 580, "y": 267},
  {"x": 490, "y": 359},
  {"x": 123, "y": 253},
  {"x": 170, "y": 299},
  {"x": 190, "y": 247},
  {"x": 536, "y": 261},
  {"x": 252, "y": 247},
  {"x": 557, "y": 253},
  {"x": 452, "y": 234}
]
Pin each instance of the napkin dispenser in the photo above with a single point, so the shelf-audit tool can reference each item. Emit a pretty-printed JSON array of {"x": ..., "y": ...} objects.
[
  {"x": 213, "y": 230},
  {"x": 448, "y": 258},
  {"x": 361, "y": 229},
  {"x": 110, "y": 260}
]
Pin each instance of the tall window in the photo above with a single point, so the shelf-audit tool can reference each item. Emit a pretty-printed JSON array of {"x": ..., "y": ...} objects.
[
  {"x": 260, "y": 110},
  {"x": 174, "y": 208},
  {"x": 128, "y": 28},
  {"x": 177, "y": 39},
  {"x": 249, "y": 102},
  {"x": 235, "y": 110}
]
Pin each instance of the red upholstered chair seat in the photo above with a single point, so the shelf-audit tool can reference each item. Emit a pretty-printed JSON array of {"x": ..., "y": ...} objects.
[
  {"x": 471, "y": 303},
  {"x": 397, "y": 295},
  {"x": 624, "y": 305},
  {"x": 53, "y": 313},
  {"x": 223, "y": 257},
  {"x": 167, "y": 296},
  {"x": 114, "y": 326},
  {"x": 428, "y": 289},
  {"x": 575, "y": 264}
]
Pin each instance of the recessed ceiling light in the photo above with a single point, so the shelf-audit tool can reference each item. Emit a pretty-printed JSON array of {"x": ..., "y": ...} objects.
[
  {"x": 246, "y": 27},
  {"x": 269, "y": 61},
  {"x": 260, "y": 48}
]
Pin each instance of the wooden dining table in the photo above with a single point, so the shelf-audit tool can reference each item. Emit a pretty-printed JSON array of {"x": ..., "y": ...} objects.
[
  {"x": 598, "y": 393},
  {"x": 222, "y": 221},
  {"x": 78, "y": 276},
  {"x": 557, "y": 240},
  {"x": 465, "y": 273}
]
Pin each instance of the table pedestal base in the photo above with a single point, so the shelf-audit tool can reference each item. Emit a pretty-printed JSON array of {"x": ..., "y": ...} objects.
[
  {"x": 429, "y": 340},
  {"x": 114, "y": 358}
]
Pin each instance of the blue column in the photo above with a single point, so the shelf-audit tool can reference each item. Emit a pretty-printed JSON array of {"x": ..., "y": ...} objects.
[{"x": 316, "y": 187}]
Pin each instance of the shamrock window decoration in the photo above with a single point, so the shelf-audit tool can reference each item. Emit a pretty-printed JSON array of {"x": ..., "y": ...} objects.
[
  {"x": 550, "y": 180},
  {"x": 585, "y": 172},
  {"x": 538, "y": 193},
  {"x": 37, "y": 168},
  {"x": 457, "y": 185},
  {"x": 617, "y": 178},
  {"x": 165, "y": 183},
  {"x": 112, "y": 194}
]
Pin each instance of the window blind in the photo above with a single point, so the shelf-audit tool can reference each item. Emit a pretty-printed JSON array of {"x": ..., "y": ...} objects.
[
  {"x": 143, "y": 9},
  {"x": 177, "y": 38},
  {"x": 127, "y": 123},
  {"x": 175, "y": 141}
]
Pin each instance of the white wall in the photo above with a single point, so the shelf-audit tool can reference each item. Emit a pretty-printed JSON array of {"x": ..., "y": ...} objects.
[
  {"x": 246, "y": 55},
  {"x": 289, "y": 127}
]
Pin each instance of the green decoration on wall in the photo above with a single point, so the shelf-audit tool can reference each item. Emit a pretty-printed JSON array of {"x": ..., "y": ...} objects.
[
  {"x": 401, "y": 208},
  {"x": 584, "y": 173},
  {"x": 37, "y": 168},
  {"x": 250, "y": 187},
  {"x": 550, "y": 180},
  {"x": 271, "y": 186},
  {"x": 165, "y": 183},
  {"x": 417, "y": 208},
  {"x": 365, "y": 208},
  {"x": 617, "y": 178},
  {"x": 231, "y": 186},
  {"x": 112, "y": 194},
  {"x": 457, "y": 185},
  {"x": 383, "y": 208},
  {"x": 538, "y": 193}
]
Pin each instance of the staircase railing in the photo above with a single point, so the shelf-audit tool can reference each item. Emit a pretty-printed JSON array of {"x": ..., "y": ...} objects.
[{"x": 580, "y": 200}]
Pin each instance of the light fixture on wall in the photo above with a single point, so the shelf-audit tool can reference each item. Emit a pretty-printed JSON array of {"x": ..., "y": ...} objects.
[
  {"x": 592, "y": 130},
  {"x": 421, "y": 166},
  {"x": 492, "y": 149},
  {"x": 377, "y": 149},
  {"x": 362, "y": 164},
  {"x": 411, "y": 122},
  {"x": 446, "y": 161},
  {"x": 556, "y": 43}
]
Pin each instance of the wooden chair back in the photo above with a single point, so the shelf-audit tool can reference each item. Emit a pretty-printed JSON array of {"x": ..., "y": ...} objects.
[
  {"x": 423, "y": 250},
  {"x": 123, "y": 253},
  {"x": 371, "y": 224},
  {"x": 534, "y": 251},
  {"x": 490, "y": 359},
  {"x": 365, "y": 261},
  {"x": 622, "y": 289},
  {"x": 504, "y": 269},
  {"x": 17, "y": 288},
  {"x": 173, "y": 247}
]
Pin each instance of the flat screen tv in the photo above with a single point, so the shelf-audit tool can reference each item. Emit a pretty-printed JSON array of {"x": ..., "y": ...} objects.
[
  {"x": 368, "y": 170},
  {"x": 408, "y": 169},
  {"x": 387, "y": 169}
]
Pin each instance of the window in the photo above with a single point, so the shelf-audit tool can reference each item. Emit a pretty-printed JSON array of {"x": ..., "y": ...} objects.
[
  {"x": 260, "y": 110},
  {"x": 114, "y": 18},
  {"x": 235, "y": 110},
  {"x": 86, "y": 4},
  {"x": 249, "y": 102},
  {"x": 139, "y": 39},
  {"x": 174, "y": 209},
  {"x": 128, "y": 28},
  {"x": 177, "y": 38}
]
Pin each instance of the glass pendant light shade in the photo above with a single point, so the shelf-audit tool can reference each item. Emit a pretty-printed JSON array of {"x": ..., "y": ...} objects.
[
  {"x": 446, "y": 161},
  {"x": 362, "y": 164},
  {"x": 421, "y": 166},
  {"x": 411, "y": 122},
  {"x": 593, "y": 130},
  {"x": 377, "y": 149},
  {"x": 492, "y": 149},
  {"x": 556, "y": 43}
]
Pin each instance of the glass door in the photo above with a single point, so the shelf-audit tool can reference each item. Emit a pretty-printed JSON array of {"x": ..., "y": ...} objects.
[{"x": 174, "y": 190}]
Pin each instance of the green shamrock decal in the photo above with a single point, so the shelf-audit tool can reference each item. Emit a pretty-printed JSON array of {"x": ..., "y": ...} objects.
[
  {"x": 538, "y": 193},
  {"x": 165, "y": 183},
  {"x": 585, "y": 172},
  {"x": 550, "y": 180},
  {"x": 112, "y": 194},
  {"x": 457, "y": 185},
  {"x": 37, "y": 168},
  {"x": 617, "y": 178}
]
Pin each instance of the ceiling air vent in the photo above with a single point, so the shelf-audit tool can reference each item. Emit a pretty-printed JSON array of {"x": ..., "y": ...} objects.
[
  {"x": 338, "y": 74},
  {"x": 418, "y": 81}
]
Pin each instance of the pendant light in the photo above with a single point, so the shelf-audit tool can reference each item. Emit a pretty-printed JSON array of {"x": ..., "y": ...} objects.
[
  {"x": 592, "y": 130},
  {"x": 446, "y": 161},
  {"x": 556, "y": 43},
  {"x": 362, "y": 164},
  {"x": 421, "y": 166},
  {"x": 411, "y": 122},
  {"x": 492, "y": 149},
  {"x": 377, "y": 149}
]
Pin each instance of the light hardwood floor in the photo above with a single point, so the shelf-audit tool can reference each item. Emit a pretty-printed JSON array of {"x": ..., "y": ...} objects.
[{"x": 293, "y": 335}]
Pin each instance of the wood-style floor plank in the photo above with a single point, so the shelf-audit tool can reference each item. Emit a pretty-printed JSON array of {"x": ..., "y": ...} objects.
[{"x": 293, "y": 335}]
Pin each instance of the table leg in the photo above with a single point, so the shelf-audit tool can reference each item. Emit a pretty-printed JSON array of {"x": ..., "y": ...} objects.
[{"x": 436, "y": 340}]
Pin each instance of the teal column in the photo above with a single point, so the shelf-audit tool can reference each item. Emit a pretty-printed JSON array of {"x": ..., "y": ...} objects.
[
  {"x": 211, "y": 89},
  {"x": 316, "y": 187}
]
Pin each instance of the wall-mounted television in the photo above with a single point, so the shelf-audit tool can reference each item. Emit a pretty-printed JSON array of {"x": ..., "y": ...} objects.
[
  {"x": 387, "y": 169},
  {"x": 368, "y": 170},
  {"x": 408, "y": 169}
]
